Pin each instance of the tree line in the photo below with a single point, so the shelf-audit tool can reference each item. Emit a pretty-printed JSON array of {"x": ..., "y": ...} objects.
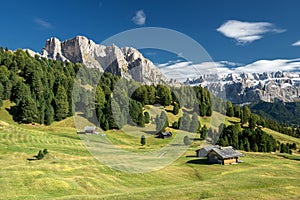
[
  {"x": 248, "y": 117},
  {"x": 41, "y": 88},
  {"x": 119, "y": 101},
  {"x": 255, "y": 140}
]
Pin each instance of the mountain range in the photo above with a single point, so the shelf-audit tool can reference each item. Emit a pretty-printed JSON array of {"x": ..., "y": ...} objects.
[
  {"x": 128, "y": 62},
  {"x": 242, "y": 87}
]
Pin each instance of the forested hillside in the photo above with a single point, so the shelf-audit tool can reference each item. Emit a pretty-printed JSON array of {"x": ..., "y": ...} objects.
[
  {"x": 41, "y": 88},
  {"x": 281, "y": 112}
]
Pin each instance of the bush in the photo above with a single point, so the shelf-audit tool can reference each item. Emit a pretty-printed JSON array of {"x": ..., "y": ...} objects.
[
  {"x": 143, "y": 140},
  {"x": 186, "y": 140},
  {"x": 175, "y": 125},
  {"x": 40, "y": 155},
  {"x": 147, "y": 117},
  {"x": 45, "y": 151}
]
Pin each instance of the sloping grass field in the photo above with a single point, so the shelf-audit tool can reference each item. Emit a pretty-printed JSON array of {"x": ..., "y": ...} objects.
[{"x": 69, "y": 171}]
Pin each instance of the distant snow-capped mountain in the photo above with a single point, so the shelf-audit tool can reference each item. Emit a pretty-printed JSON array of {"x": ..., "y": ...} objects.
[{"x": 244, "y": 87}]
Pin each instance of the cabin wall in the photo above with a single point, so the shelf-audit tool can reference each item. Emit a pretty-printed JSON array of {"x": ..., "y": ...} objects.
[
  {"x": 214, "y": 158},
  {"x": 230, "y": 160}
]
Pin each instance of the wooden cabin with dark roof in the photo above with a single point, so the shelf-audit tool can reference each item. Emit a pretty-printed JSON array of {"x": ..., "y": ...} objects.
[
  {"x": 90, "y": 129},
  {"x": 222, "y": 155},
  {"x": 204, "y": 151}
]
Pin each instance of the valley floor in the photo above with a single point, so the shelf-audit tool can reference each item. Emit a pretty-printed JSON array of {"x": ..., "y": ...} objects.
[{"x": 69, "y": 171}]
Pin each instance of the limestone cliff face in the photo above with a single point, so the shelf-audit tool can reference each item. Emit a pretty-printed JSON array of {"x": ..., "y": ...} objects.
[
  {"x": 126, "y": 62},
  {"x": 250, "y": 87}
]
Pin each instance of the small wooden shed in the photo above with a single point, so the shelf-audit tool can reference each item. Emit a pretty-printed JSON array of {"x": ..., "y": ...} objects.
[
  {"x": 90, "y": 129},
  {"x": 164, "y": 135},
  {"x": 223, "y": 155},
  {"x": 204, "y": 151}
]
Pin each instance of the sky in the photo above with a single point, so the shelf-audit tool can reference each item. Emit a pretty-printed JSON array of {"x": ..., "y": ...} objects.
[{"x": 251, "y": 33}]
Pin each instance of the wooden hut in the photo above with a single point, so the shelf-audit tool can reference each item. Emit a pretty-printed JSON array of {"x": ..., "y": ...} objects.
[
  {"x": 90, "y": 129},
  {"x": 220, "y": 155}
]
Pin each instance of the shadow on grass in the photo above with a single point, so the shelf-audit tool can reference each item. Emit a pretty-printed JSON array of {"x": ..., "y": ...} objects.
[
  {"x": 290, "y": 157},
  {"x": 199, "y": 162},
  {"x": 191, "y": 156},
  {"x": 233, "y": 122},
  {"x": 177, "y": 145},
  {"x": 13, "y": 111},
  {"x": 196, "y": 139},
  {"x": 33, "y": 159}
]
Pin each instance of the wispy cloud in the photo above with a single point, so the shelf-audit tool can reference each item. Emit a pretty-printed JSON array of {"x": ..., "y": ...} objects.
[
  {"x": 43, "y": 24},
  {"x": 247, "y": 32},
  {"x": 296, "y": 43},
  {"x": 182, "y": 70},
  {"x": 139, "y": 18},
  {"x": 271, "y": 66}
]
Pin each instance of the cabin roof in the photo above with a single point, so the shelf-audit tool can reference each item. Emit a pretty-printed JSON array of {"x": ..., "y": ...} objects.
[
  {"x": 226, "y": 152},
  {"x": 90, "y": 128},
  {"x": 166, "y": 133},
  {"x": 208, "y": 148}
]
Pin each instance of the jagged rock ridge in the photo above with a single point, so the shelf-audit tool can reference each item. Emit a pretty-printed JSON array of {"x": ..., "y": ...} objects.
[
  {"x": 251, "y": 87},
  {"x": 126, "y": 62}
]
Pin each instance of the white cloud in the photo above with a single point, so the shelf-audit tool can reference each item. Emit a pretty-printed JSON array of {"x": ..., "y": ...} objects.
[
  {"x": 247, "y": 32},
  {"x": 43, "y": 24},
  {"x": 271, "y": 66},
  {"x": 228, "y": 63},
  {"x": 182, "y": 70},
  {"x": 296, "y": 43},
  {"x": 139, "y": 18}
]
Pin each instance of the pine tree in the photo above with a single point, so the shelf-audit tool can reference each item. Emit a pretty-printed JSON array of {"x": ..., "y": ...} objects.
[
  {"x": 246, "y": 144},
  {"x": 99, "y": 97},
  {"x": 161, "y": 122},
  {"x": 237, "y": 111},
  {"x": 40, "y": 155},
  {"x": 141, "y": 120},
  {"x": 147, "y": 117},
  {"x": 151, "y": 94},
  {"x": 141, "y": 95},
  {"x": 27, "y": 110},
  {"x": 176, "y": 109},
  {"x": 175, "y": 125},
  {"x": 61, "y": 104},
  {"x": 20, "y": 90},
  {"x": 252, "y": 121},
  {"x": 164, "y": 95},
  {"x": 255, "y": 147},
  {"x": 195, "y": 124},
  {"x": 246, "y": 114},
  {"x": 143, "y": 140},
  {"x": 203, "y": 132},
  {"x": 229, "y": 109},
  {"x": 186, "y": 140},
  {"x": 185, "y": 122}
]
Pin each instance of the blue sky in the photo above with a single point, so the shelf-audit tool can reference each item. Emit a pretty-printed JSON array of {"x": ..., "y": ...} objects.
[{"x": 271, "y": 27}]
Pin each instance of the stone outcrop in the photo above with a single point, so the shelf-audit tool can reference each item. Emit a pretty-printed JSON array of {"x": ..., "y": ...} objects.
[{"x": 126, "y": 62}]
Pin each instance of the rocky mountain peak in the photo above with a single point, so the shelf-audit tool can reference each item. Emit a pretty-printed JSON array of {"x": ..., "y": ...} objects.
[{"x": 126, "y": 62}]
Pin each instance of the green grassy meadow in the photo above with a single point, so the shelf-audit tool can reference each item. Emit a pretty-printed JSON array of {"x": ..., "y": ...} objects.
[{"x": 69, "y": 171}]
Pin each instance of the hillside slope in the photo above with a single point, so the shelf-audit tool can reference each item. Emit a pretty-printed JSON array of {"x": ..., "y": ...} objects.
[{"x": 70, "y": 172}]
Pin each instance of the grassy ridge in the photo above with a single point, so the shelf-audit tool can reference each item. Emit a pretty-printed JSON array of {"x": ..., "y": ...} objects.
[{"x": 70, "y": 172}]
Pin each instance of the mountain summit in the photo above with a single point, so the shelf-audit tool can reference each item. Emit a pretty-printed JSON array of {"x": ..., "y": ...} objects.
[
  {"x": 126, "y": 62},
  {"x": 242, "y": 87}
]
